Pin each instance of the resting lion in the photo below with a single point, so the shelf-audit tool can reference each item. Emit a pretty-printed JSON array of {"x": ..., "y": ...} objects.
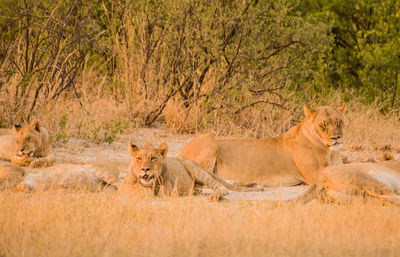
[
  {"x": 344, "y": 182},
  {"x": 91, "y": 177},
  {"x": 293, "y": 158},
  {"x": 151, "y": 168},
  {"x": 27, "y": 145}
]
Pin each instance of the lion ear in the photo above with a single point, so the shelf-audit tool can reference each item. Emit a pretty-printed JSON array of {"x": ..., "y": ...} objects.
[
  {"x": 17, "y": 127},
  {"x": 307, "y": 111},
  {"x": 163, "y": 149},
  {"x": 133, "y": 148},
  {"x": 341, "y": 108},
  {"x": 35, "y": 125}
]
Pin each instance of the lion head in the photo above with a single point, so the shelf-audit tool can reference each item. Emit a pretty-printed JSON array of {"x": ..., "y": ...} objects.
[
  {"x": 29, "y": 140},
  {"x": 146, "y": 162},
  {"x": 326, "y": 124}
]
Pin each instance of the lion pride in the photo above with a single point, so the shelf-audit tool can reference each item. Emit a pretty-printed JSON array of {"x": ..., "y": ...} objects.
[{"x": 290, "y": 159}]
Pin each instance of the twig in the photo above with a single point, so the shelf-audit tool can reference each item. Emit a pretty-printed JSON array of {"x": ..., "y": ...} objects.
[{"x": 258, "y": 102}]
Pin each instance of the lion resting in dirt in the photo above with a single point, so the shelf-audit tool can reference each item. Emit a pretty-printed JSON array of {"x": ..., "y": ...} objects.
[
  {"x": 92, "y": 177},
  {"x": 28, "y": 145},
  {"x": 342, "y": 183},
  {"x": 293, "y": 158},
  {"x": 151, "y": 168}
]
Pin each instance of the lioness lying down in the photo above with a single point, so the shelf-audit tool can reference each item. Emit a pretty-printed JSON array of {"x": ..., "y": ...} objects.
[
  {"x": 293, "y": 158},
  {"x": 151, "y": 168},
  {"x": 91, "y": 177},
  {"x": 344, "y": 182},
  {"x": 27, "y": 145}
]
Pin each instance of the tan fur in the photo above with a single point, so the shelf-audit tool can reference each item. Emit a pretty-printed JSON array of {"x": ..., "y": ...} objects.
[
  {"x": 171, "y": 176},
  {"x": 10, "y": 175},
  {"x": 293, "y": 158},
  {"x": 27, "y": 146},
  {"x": 344, "y": 182},
  {"x": 93, "y": 177}
]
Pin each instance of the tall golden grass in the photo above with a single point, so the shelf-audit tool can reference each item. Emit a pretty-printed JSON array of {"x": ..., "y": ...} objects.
[
  {"x": 97, "y": 224},
  {"x": 366, "y": 127}
]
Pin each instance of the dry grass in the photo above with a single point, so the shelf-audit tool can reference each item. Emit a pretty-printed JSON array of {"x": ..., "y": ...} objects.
[
  {"x": 57, "y": 224},
  {"x": 367, "y": 129}
]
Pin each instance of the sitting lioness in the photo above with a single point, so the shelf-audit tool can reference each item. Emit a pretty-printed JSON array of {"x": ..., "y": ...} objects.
[
  {"x": 293, "y": 158},
  {"x": 27, "y": 145},
  {"x": 151, "y": 168}
]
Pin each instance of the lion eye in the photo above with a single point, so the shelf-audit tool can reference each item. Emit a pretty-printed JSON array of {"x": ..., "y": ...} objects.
[
  {"x": 153, "y": 159},
  {"x": 139, "y": 159},
  {"x": 28, "y": 138},
  {"x": 323, "y": 126},
  {"x": 338, "y": 122}
]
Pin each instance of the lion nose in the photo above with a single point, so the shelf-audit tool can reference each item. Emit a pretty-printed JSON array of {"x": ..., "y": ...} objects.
[
  {"x": 335, "y": 138},
  {"x": 146, "y": 169}
]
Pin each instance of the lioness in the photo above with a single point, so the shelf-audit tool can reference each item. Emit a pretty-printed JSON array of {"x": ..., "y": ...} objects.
[
  {"x": 344, "y": 182},
  {"x": 27, "y": 145},
  {"x": 151, "y": 168},
  {"x": 290, "y": 159},
  {"x": 92, "y": 177}
]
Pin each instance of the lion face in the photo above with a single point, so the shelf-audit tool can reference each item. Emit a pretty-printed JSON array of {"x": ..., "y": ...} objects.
[
  {"x": 327, "y": 125},
  {"x": 146, "y": 162},
  {"x": 28, "y": 139}
]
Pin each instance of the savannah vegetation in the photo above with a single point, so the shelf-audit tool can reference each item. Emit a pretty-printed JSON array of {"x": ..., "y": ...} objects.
[{"x": 97, "y": 69}]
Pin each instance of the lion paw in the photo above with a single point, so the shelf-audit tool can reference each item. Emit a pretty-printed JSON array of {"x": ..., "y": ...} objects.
[
  {"x": 21, "y": 160},
  {"x": 22, "y": 187},
  {"x": 37, "y": 163},
  {"x": 220, "y": 191},
  {"x": 259, "y": 189},
  {"x": 232, "y": 182}
]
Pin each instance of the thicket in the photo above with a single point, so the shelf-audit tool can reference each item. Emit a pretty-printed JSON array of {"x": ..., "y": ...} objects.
[{"x": 217, "y": 60}]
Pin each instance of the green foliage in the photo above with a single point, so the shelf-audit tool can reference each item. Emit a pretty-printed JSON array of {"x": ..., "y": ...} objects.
[
  {"x": 62, "y": 135},
  {"x": 113, "y": 128},
  {"x": 365, "y": 55},
  {"x": 109, "y": 131}
]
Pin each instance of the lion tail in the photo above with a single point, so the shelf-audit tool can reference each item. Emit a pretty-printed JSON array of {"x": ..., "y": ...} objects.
[
  {"x": 308, "y": 195},
  {"x": 229, "y": 186}
]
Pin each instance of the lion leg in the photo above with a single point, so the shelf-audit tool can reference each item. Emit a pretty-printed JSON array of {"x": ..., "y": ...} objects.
[
  {"x": 129, "y": 184},
  {"x": 43, "y": 161},
  {"x": 335, "y": 158},
  {"x": 339, "y": 196},
  {"x": 200, "y": 175},
  {"x": 348, "y": 198},
  {"x": 167, "y": 189},
  {"x": 106, "y": 173},
  {"x": 10, "y": 175}
]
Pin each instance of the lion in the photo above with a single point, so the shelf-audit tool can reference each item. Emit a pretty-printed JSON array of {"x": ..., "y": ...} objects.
[
  {"x": 92, "y": 177},
  {"x": 294, "y": 158},
  {"x": 27, "y": 145},
  {"x": 171, "y": 176},
  {"x": 342, "y": 183}
]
